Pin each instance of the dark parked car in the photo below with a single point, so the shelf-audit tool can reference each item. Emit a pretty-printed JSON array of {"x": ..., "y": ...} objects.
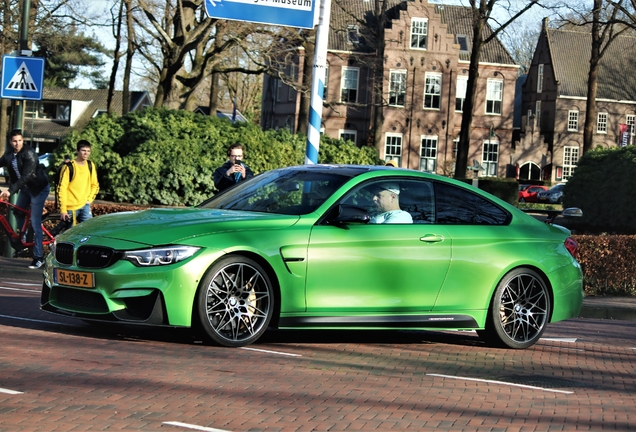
[
  {"x": 554, "y": 195},
  {"x": 528, "y": 193}
]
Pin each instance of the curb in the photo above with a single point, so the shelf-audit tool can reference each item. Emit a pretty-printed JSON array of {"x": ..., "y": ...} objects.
[{"x": 595, "y": 311}]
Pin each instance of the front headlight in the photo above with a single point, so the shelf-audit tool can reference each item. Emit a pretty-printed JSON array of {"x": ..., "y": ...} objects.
[{"x": 164, "y": 255}]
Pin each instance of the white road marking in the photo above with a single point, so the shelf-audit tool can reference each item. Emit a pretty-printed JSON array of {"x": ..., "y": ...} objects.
[
  {"x": 195, "y": 427},
  {"x": 569, "y": 340},
  {"x": 20, "y": 289},
  {"x": 11, "y": 392},
  {"x": 272, "y": 352},
  {"x": 501, "y": 383},
  {"x": 38, "y": 321}
]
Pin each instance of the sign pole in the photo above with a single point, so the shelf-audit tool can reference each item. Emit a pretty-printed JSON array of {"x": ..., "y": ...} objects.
[
  {"x": 318, "y": 83},
  {"x": 18, "y": 106}
]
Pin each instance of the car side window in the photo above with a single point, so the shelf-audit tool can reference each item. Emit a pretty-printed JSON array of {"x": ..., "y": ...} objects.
[
  {"x": 458, "y": 206},
  {"x": 418, "y": 199}
]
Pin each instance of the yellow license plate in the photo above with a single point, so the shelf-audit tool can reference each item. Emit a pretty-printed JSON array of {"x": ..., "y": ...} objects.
[{"x": 74, "y": 278}]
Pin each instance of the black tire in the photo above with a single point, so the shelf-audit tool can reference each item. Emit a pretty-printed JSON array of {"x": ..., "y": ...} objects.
[
  {"x": 519, "y": 310},
  {"x": 235, "y": 302}
]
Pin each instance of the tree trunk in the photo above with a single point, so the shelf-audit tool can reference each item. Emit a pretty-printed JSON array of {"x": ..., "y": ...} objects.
[
  {"x": 130, "y": 51},
  {"x": 461, "y": 164},
  {"x": 592, "y": 78},
  {"x": 116, "y": 57},
  {"x": 305, "y": 99},
  {"x": 378, "y": 78}
]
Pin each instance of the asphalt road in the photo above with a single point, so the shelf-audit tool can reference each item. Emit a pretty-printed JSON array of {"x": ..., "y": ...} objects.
[{"x": 60, "y": 374}]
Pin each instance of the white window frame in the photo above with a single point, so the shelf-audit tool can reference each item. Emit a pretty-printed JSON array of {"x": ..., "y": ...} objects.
[
  {"x": 345, "y": 82},
  {"x": 460, "y": 93},
  {"x": 419, "y": 33},
  {"x": 494, "y": 96},
  {"x": 601, "y": 123},
  {"x": 433, "y": 91},
  {"x": 353, "y": 35},
  {"x": 529, "y": 118},
  {"x": 393, "y": 143},
  {"x": 630, "y": 121},
  {"x": 490, "y": 157},
  {"x": 537, "y": 113},
  {"x": 348, "y": 134},
  {"x": 540, "y": 78},
  {"x": 573, "y": 120},
  {"x": 428, "y": 152},
  {"x": 397, "y": 87},
  {"x": 570, "y": 160}
]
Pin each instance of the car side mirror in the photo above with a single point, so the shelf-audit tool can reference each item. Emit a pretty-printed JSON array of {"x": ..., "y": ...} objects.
[
  {"x": 572, "y": 212},
  {"x": 349, "y": 214}
]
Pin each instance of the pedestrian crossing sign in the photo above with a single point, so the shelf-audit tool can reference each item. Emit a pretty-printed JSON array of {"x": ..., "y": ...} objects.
[{"x": 22, "y": 77}]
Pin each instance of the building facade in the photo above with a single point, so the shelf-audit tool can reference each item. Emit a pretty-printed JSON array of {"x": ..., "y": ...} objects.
[
  {"x": 554, "y": 102},
  {"x": 425, "y": 72}
]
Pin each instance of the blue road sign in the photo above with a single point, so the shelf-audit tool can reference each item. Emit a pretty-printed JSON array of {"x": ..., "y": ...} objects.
[
  {"x": 293, "y": 13},
  {"x": 22, "y": 77}
]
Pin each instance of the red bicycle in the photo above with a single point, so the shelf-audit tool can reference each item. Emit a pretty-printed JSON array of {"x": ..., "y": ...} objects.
[{"x": 51, "y": 226}]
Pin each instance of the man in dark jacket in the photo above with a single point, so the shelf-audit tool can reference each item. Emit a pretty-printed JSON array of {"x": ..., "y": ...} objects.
[
  {"x": 233, "y": 171},
  {"x": 28, "y": 178}
]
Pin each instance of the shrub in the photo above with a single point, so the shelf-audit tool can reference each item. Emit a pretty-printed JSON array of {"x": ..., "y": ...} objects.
[
  {"x": 609, "y": 264},
  {"x": 604, "y": 187},
  {"x": 168, "y": 157}
]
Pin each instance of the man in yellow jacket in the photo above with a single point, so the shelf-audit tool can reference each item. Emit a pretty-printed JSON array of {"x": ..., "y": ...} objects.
[{"x": 77, "y": 186}]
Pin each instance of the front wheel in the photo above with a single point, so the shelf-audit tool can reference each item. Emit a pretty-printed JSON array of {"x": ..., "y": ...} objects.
[
  {"x": 519, "y": 311},
  {"x": 235, "y": 302}
]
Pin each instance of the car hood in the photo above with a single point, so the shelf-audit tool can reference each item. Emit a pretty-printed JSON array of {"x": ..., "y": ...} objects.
[{"x": 170, "y": 226}]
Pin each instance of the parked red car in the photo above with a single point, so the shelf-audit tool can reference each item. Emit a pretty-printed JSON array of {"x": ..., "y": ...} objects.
[{"x": 528, "y": 193}]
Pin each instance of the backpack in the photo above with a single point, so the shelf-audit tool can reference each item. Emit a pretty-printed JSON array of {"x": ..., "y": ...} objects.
[{"x": 71, "y": 173}]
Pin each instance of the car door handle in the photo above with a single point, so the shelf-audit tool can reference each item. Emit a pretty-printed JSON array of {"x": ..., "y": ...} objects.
[{"x": 432, "y": 238}]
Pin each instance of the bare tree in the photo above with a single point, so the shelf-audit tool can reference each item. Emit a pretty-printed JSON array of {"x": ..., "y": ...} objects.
[
  {"x": 521, "y": 43},
  {"x": 604, "y": 32},
  {"x": 481, "y": 12}
]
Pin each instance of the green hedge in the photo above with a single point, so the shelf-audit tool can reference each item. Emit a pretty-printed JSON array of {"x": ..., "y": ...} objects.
[
  {"x": 604, "y": 187},
  {"x": 168, "y": 157}
]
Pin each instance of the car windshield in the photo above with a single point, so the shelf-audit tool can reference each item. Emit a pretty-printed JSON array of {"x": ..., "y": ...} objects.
[{"x": 285, "y": 191}]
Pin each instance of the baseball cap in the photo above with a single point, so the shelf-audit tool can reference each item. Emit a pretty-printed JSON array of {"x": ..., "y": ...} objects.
[
  {"x": 391, "y": 187},
  {"x": 391, "y": 163}
]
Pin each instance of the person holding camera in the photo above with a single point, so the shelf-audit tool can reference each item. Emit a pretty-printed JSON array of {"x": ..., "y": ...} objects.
[{"x": 233, "y": 171}]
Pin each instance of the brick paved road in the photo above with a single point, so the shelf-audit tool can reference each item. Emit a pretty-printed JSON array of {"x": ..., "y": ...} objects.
[{"x": 74, "y": 377}]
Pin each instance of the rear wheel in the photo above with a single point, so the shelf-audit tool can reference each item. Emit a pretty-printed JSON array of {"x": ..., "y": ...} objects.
[
  {"x": 519, "y": 310},
  {"x": 235, "y": 302}
]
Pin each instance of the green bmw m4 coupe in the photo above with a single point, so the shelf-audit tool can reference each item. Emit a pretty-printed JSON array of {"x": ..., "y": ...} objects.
[{"x": 323, "y": 247}]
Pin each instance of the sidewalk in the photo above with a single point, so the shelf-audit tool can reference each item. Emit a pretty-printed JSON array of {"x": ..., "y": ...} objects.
[{"x": 618, "y": 308}]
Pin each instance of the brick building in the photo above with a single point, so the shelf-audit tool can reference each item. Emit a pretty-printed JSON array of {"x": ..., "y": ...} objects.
[
  {"x": 554, "y": 102},
  {"x": 427, "y": 54}
]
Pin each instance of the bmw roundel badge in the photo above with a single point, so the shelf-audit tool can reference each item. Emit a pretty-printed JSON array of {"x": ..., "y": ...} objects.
[{"x": 84, "y": 240}]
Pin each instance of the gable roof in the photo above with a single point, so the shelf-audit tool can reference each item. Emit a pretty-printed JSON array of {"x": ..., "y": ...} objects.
[
  {"x": 615, "y": 82},
  {"x": 345, "y": 13},
  {"x": 89, "y": 102},
  {"x": 459, "y": 20}
]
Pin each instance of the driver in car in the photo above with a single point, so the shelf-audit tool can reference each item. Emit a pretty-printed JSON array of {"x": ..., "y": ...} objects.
[{"x": 387, "y": 200}]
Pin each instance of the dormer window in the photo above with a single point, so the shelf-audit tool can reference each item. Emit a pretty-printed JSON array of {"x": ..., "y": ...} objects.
[
  {"x": 462, "y": 41},
  {"x": 48, "y": 110},
  {"x": 352, "y": 34}
]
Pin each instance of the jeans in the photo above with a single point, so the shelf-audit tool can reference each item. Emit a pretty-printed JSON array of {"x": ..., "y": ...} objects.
[
  {"x": 81, "y": 214},
  {"x": 25, "y": 199}
]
